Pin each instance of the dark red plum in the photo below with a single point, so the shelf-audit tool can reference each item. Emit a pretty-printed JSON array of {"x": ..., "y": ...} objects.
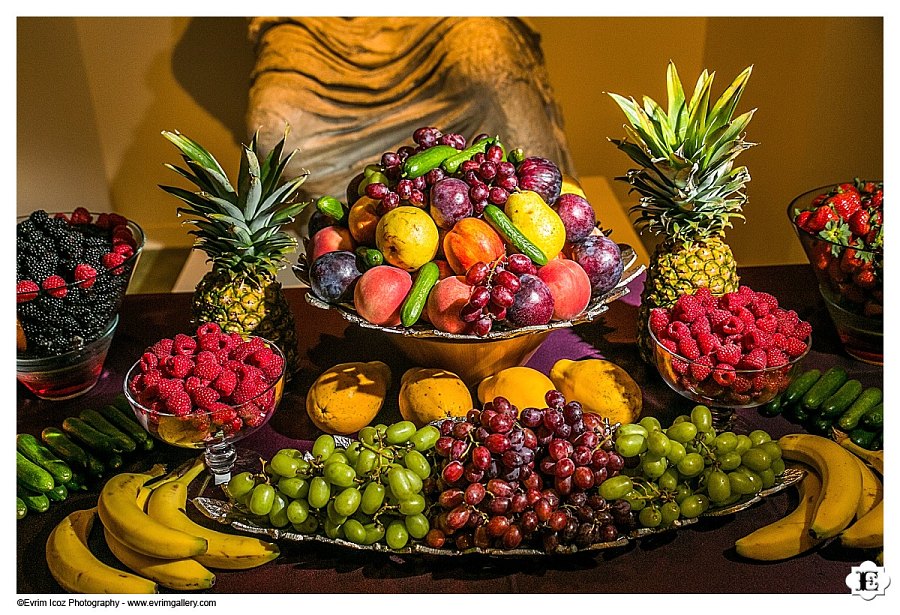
[
  {"x": 577, "y": 216},
  {"x": 450, "y": 202},
  {"x": 601, "y": 259},
  {"x": 533, "y": 304},
  {"x": 542, "y": 176},
  {"x": 332, "y": 276},
  {"x": 318, "y": 221}
]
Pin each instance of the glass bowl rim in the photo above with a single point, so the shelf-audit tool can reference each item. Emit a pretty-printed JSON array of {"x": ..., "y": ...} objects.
[
  {"x": 136, "y": 404},
  {"x": 105, "y": 337},
  {"x": 815, "y": 192}
]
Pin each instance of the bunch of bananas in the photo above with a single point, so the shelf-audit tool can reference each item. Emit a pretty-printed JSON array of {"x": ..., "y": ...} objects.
[
  {"x": 840, "y": 496},
  {"x": 147, "y": 530}
]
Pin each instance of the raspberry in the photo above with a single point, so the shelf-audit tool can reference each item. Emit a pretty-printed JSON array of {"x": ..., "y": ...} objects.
[
  {"x": 717, "y": 317},
  {"x": 724, "y": 374},
  {"x": 677, "y": 330},
  {"x": 179, "y": 403},
  {"x": 225, "y": 383},
  {"x": 179, "y": 366},
  {"x": 729, "y": 354},
  {"x": 211, "y": 341},
  {"x": 802, "y": 330},
  {"x": 705, "y": 296},
  {"x": 221, "y": 413},
  {"x": 699, "y": 326},
  {"x": 251, "y": 414},
  {"x": 234, "y": 427},
  {"x": 162, "y": 348},
  {"x": 658, "y": 321},
  {"x": 184, "y": 344},
  {"x": 760, "y": 382},
  {"x": 204, "y": 397},
  {"x": 148, "y": 361},
  {"x": 701, "y": 368},
  {"x": 102, "y": 221},
  {"x": 55, "y": 286},
  {"x": 247, "y": 389},
  {"x": 767, "y": 299},
  {"x": 137, "y": 383},
  {"x": 117, "y": 220},
  {"x": 192, "y": 383},
  {"x": 794, "y": 347},
  {"x": 124, "y": 250},
  {"x": 732, "y": 326},
  {"x": 687, "y": 347},
  {"x": 670, "y": 345},
  {"x": 85, "y": 275},
  {"x": 776, "y": 357},
  {"x": 680, "y": 366},
  {"x": 733, "y": 301},
  {"x": 688, "y": 308},
  {"x": 779, "y": 340},
  {"x": 708, "y": 342},
  {"x": 756, "y": 339},
  {"x": 768, "y": 323},
  {"x": 755, "y": 359},
  {"x": 26, "y": 291},
  {"x": 80, "y": 216},
  {"x": 169, "y": 386},
  {"x": 209, "y": 328},
  {"x": 112, "y": 261},
  {"x": 746, "y": 316},
  {"x": 200, "y": 421},
  {"x": 273, "y": 368},
  {"x": 740, "y": 384}
]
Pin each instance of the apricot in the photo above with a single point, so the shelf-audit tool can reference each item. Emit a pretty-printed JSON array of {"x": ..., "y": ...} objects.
[
  {"x": 446, "y": 300},
  {"x": 569, "y": 286},
  {"x": 329, "y": 239},
  {"x": 472, "y": 240},
  {"x": 363, "y": 220},
  {"x": 379, "y": 294}
]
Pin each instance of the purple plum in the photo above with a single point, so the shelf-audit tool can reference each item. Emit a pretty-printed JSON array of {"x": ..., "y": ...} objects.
[
  {"x": 601, "y": 259},
  {"x": 577, "y": 216},
  {"x": 333, "y": 275},
  {"x": 450, "y": 202},
  {"x": 533, "y": 304}
]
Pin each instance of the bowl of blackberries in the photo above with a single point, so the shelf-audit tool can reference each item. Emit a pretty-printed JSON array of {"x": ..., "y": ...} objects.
[{"x": 72, "y": 272}]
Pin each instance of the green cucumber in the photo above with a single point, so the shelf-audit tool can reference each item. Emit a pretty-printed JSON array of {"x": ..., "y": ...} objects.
[
  {"x": 451, "y": 164},
  {"x": 799, "y": 386},
  {"x": 414, "y": 303},
  {"x": 115, "y": 461},
  {"x": 58, "y": 493},
  {"x": 32, "y": 475},
  {"x": 377, "y": 177},
  {"x": 516, "y": 156},
  {"x": 838, "y": 403},
  {"x": 867, "y": 400},
  {"x": 76, "y": 483},
  {"x": 877, "y": 442},
  {"x": 37, "y": 453},
  {"x": 862, "y": 437},
  {"x": 820, "y": 425},
  {"x": 873, "y": 418},
  {"x": 127, "y": 424},
  {"x": 60, "y": 443},
  {"x": 98, "y": 422},
  {"x": 21, "y": 508},
  {"x": 772, "y": 407},
  {"x": 420, "y": 163},
  {"x": 371, "y": 257},
  {"x": 36, "y": 502},
  {"x": 824, "y": 388},
  {"x": 90, "y": 437},
  {"x": 797, "y": 413},
  {"x": 503, "y": 225},
  {"x": 331, "y": 207}
]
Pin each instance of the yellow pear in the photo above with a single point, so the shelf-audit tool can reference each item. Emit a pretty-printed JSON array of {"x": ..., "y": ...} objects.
[
  {"x": 537, "y": 221},
  {"x": 601, "y": 386}
]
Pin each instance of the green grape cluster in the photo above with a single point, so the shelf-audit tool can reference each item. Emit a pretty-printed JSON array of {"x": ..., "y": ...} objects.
[
  {"x": 371, "y": 491},
  {"x": 680, "y": 471}
]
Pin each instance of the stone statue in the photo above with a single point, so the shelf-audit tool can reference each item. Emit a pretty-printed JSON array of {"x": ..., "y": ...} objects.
[{"x": 352, "y": 88}]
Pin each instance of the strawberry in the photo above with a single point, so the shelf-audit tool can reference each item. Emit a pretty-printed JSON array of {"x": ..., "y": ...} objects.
[
  {"x": 865, "y": 278},
  {"x": 26, "y": 291},
  {"x": 55, "y": 286},
  {"x": 850, "y": 261},
  {"x": 802, "y": 219},
  {"x": 820, "y": 218},
  {"x": 846, "y": 203},
  {"x": 859, "y": 223}
]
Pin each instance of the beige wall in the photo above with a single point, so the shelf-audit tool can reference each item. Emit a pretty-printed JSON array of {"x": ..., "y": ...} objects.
[{"x": 94, "y": 94}]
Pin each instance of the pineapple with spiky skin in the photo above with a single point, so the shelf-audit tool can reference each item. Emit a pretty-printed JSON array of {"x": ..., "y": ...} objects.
[
  {"x": 690, "y": 188},
  {"x": 240, "y": 230}
]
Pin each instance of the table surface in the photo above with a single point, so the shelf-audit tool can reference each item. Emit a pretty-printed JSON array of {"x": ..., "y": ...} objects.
[{"x": 696, "y": 559}]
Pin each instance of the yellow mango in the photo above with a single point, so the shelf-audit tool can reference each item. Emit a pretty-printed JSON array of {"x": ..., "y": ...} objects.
[
  {"x": 347, "y": 396},
  {"x": 537, "y": 221},
  {"x": 601, "y": 386},
  {"x": 570, "y": 185},
  {"x": 524, "y": 387},
  {"x": 429, "y": 394}
]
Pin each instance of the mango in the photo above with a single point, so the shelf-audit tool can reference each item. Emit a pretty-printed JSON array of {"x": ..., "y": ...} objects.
[
  {"x": 347, "y": 397},
  {"x": 537, "y": 221},
  {"x": 429, "y": 394},
  {"x": 524, "y": 387},
  {"x": 601, "y": 386}
]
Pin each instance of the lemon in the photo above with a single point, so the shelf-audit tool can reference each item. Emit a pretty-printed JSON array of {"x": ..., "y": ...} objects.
[
  {"x": 537, "y": 221},
  {"x": 524, "y": 387},
  {"x": 429, "y": 394}
]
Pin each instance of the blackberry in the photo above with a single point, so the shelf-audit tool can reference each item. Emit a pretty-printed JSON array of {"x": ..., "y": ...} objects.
[
  {"x": 39, "y": 218},
  {"x": 57, "y": 227},
  {"x": 70, "y": 245},
  {"x": 39, "y": 268},
  {"x": 24, "y": 227},
  {"x": 93, "y": 256},
  {"x": 30, "y": 312}
]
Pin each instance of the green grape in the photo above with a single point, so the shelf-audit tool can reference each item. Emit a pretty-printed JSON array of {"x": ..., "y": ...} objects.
[
  {"x": 670, "y": 511},
  {"x": 694, "y": 506},
  {"x": 352, "y": 452},
  {"x": 718, "y": 486},
  {"x": 261, "y": 499},
  {"x": 333, "y": 515},
  {"x": 294, "y": 488},
  {"x": 691, "y": 465},
  {"x": 753, "y": 477},
  {"x": 653, "y": 466},
  {"x": 304, "y": 468},
  {"x": 285, "y": 464},
  {"x": 269, "y": 471},
  {"x": 682, "y": 432},
  {"x": 398, "y": 433},
  {"x": 681, "y": 418},
  {"x": 412, "y": 505},
  {"x": 702, "y": 418},
  {"x": 637, "y": 502},
  {"x": 332, "y": 529},
  {"x": 417, "y": 525},
  {"x": 772, "y": 449},
  {"x": 708, "y": 437},
  {"x": 742, "y": 484},
  {"x": 347, "y": 501},
  {"x": 659, "y": 443},
  {"x": 758, "y": 436},
  {"x": 339, "y": 474},
  {"x": 297, "y": 512},
  {"x": 767, "y": 477},
  {"x": 399, "y": 482},
  {"x": 415, "y": 483},
  {"x": 668, "y": 480},
  {"x": 684, "y": 490},
  {"x": 425, "y": 438},
  {"x": 367, "y": 434},
  {"x": 676, "y": 451},
  {"x": 323, "y": 447},
  {"x": 278, "y": 514},
  {"x": 416, "y": 461},
  {"x": 729, "y": 461},
  {"x": 650, "y": 516},
  {"x": 381, "y": 430},
  {"x": 631, "y": 445},
  {"x": 756, "y": 459},
  {"x": 651, "y": 424},
  {"x": 778, "y": 467},
  {"x": 319, "y": 492},
  {"x": 337, "y": 456},
  {"x": 354, "y": 531},
  {"x": 365, "y": 463},
  {"x": 310, "y": 525},
  {"x": 244, "y": 500},
  {"x": 616, "y": 487},
  {"x": 374, "y": 533},
  {"x": 725, "y": 442},
  {"x": 743, "y": 444},
  {"x": 396, "y": 534},
  {"x": 372, "y": 498},
  {"x": 241, "y": 484},
  {"x": 632, "y": 428}
]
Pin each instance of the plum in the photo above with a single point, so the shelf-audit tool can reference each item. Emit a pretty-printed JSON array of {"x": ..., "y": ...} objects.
[
  {"x": 318, "y": 221},
  {"x": 601, "y": 259},
  {"x": 450, "y": 202},
  {"x": 533, "y": 304},
  {"x": 577, "y": 216},
  {"x": 333, "y": 275}
]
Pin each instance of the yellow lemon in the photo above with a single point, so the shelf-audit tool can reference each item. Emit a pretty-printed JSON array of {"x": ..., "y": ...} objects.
[
  {"x": 537, "y": 221},
  {"x": 429, "y": 394},
  {"x": 347, "y": 396},
  {"x": 601, "y": 386},
  {"x": 524, "y": 387},
  {"x": 570, "y": 185},
  {"x": 408, "y": 237}
]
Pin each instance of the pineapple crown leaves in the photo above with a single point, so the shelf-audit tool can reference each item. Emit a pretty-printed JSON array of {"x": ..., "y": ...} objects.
[
  {"x": 238, "y": 229},
  {"x": 687, "y": 180}
]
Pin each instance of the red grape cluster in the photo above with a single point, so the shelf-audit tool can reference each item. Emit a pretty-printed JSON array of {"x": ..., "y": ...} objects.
[
  {"x": 494, "y": 288},
  {"x": 490, "y": 178}
]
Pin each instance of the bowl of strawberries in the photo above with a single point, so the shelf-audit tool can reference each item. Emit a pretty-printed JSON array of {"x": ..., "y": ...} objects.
[{"x": 841, "y": 229}]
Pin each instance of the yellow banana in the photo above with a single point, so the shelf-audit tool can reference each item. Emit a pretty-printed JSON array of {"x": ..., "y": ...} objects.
[
  {"x": 872, "y": 489},
  {"x": 227, "y": 551},
  {"x": 180, "y": 574},
  {"x": 189, "y": 474},
  {"x": 120, "y": 514},
  {"x": 866, "y": 532},
  {"x": 841, "y": 480},
  {"x": 77, "y": 570},
  {"x": 873, "y": 458},
  {"x": 789, "y": 536}
]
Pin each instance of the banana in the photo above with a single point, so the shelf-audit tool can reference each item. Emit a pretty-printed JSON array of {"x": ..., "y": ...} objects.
[
  {"x": 77, "y": 570},
  {"x": 867, "y": 532},
  {"x": 873, "y": 458},
  {"x": 789, "y": 536},
  {"x": 841, "y": 480},
  {"x": 125, "y": 520},
  {"x": 179, "y": 574},
  {"x": 190, "y": 474},
  {"x": 226, "y": 551},
  {"x": 872, "y": 489}
]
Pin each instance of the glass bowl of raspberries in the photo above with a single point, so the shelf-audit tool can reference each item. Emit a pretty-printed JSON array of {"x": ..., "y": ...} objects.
[
  {"x": 72, "y": 273},
  {"x": 841, "y": 229},
  {"x": 207, "y": 391},
  {"x": 739, "y": 350}
]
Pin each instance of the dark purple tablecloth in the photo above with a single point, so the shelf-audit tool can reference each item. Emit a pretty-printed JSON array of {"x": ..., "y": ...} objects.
[{"x": 698, "y": 559}]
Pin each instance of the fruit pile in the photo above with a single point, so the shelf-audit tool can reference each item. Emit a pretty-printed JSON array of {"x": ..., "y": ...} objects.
[
  {"x": 479, "y": 227},
  {"x": 71, "y": 276},
  {"x": 844, "y": 238},
  {"x": 738, "y": 348}
]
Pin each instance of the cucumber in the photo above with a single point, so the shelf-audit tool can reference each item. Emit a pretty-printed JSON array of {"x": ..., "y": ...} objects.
[
  {"x": 503, "y": 225},
  {"x": 797, "y": 413},
  {"x": 773, "y": 407},
  {"x": 838, "y": 403},
  {"x": 877, "y": 442},
  {"x": 824, "y": 388},
  {"x": 331, "y": 207},
  {"x": 114, "y": 461},
  {"x": 60, "y": 443},
  {"x": 36, "y": 452},
  {"x": 35, "y": 502},
  {"x": 125, "y": 422},
  {"x": 90, "y": 437},
  {"x": 451, "y": 164},
  {"x": 414, "y": 303},
  {"x": 862, "y": 437},
  {"x": 867, "y": 400},
  {"x": 371, "y": 257},
  {"x": 421, "y": 162},
  {"x": 376, "y": 177},
  {"x": 76, "y": 483},
  {"x": 873, "y": 418},
  {"x": 799, "y": 386},
  {"x": 98, "y": 422},
  {"x": 820, "y": 425},
  {"x": 31, "y": 475},
  {"x": 58, "y": 493},
  {"x": 21, "y": 508}
]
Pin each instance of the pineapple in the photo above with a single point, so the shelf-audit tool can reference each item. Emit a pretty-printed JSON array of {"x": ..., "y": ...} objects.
[
  {"x": 241, "y": 232},
  {"x": 690, "y": 189}
]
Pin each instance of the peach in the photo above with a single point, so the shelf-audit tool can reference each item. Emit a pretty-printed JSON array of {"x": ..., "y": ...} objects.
[
  {"x": 443, "y": 268},
  {"x": 472, "y": 240},
  {"x": 329, "y": 239},
  {"x": 569, "y": 285},
  {"x": 379, "y": 294},
  {"x": 444, "y": 303},
  {"x": 363, "y": 220}
]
